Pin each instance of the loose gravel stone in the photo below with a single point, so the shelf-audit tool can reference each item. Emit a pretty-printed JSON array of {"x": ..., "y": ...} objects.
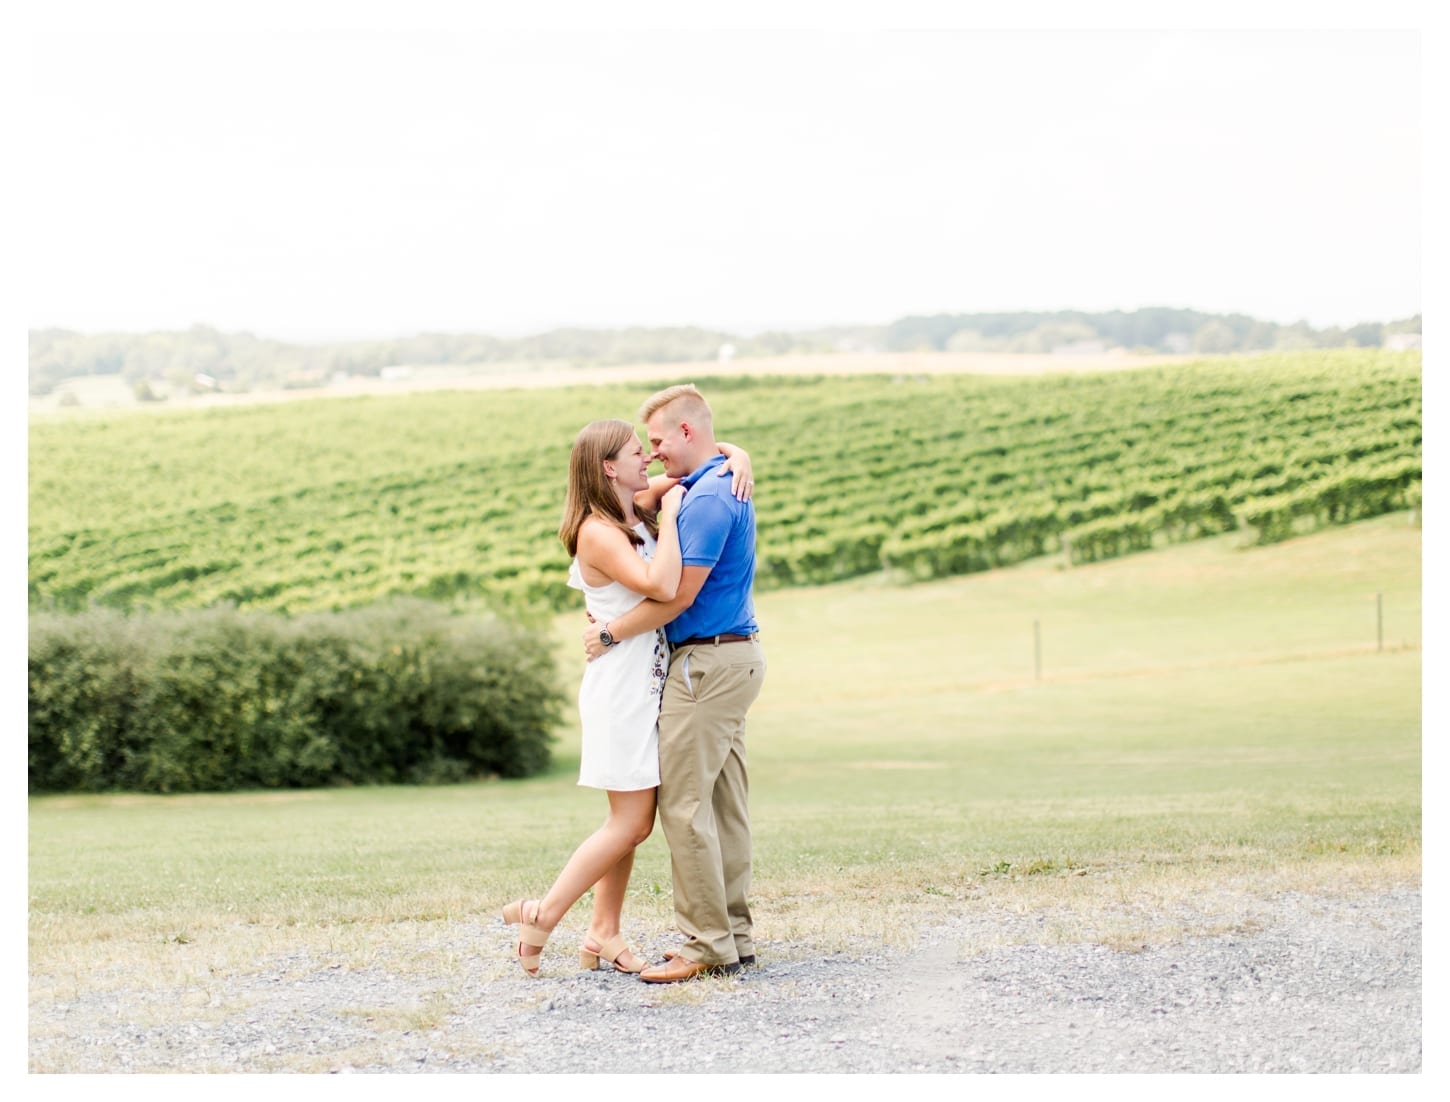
[{"x": 1301, "y": 984}]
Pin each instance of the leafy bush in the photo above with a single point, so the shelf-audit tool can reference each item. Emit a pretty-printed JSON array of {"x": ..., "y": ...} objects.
[{"x": 219, "y": 699}]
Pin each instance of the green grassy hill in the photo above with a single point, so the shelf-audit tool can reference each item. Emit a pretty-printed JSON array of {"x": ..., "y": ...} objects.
[
  {"x": 456, "y": 496},
  {"x": 1209, "y": 719}
]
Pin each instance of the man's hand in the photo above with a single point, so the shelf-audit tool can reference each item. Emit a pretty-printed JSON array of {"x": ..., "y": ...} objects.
[{"x": 593, "y": 648}]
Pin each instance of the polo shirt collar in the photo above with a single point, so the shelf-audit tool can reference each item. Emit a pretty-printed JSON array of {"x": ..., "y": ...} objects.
[{"x": 699, "y": 472}]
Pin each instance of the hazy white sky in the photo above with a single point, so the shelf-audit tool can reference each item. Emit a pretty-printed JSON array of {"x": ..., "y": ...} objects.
[{"x": 314, "y": 184}]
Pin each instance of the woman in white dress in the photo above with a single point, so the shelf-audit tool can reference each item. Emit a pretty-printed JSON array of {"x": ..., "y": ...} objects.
[{"x": 623, "y": 552}]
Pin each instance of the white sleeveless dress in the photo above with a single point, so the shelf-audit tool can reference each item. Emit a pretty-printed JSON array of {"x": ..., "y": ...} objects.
[{"x": 619, "y": 698}]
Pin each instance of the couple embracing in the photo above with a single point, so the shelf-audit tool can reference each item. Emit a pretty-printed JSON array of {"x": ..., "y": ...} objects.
[{"x": 667, "y": 567}]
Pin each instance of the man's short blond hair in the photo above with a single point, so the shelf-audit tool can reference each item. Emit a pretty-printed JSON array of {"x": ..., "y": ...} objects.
[{"x": 693, "y": 407}]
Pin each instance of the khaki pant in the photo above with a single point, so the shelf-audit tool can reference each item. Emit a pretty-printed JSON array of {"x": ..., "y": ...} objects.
[{"x": 704, "y": 794}]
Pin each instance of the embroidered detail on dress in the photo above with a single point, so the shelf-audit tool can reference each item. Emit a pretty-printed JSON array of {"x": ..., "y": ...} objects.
[{"x": 661, "y": 667}]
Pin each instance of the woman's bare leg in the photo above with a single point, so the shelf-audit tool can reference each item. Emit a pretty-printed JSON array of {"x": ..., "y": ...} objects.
[
  {"x": 604, "y": 858},
  {"x": 609, "y": 897},
  {"x": 608, "y": 906}
]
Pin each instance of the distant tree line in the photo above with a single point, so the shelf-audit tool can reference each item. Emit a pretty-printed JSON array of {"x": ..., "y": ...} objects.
[
  {"x": 1155, "y": 329},
  {"x": 242, "y": 361}
]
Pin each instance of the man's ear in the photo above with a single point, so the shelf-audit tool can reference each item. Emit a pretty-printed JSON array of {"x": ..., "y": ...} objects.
[{"x": 687, "y": 430}]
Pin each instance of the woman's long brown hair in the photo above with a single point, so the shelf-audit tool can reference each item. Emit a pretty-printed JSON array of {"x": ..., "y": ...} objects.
[{"x": 589, "y": 491}]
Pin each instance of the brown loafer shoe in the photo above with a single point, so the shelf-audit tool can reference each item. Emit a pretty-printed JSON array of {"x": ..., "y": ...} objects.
[
  {"x": 680, "y": 968},
  {"x": 745, "y": 962}
]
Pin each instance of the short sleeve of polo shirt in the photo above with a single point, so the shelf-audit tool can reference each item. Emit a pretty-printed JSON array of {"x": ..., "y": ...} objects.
[{"x": 705, "y": 523}]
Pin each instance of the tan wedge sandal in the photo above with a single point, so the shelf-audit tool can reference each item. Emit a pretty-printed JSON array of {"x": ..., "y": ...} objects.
[
  {"x": 610, "y": 950},
  {"x": 530, "y": 934}
]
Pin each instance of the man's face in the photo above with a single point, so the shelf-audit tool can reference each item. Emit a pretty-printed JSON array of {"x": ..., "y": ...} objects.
[{"x": 667, "y": 440}]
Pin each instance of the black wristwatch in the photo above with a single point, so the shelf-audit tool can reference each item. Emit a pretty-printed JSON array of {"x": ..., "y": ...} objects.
[{"x": 605, "y": 637}]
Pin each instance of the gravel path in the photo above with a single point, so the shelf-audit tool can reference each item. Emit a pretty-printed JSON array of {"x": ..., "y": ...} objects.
[{"x": 1313, "y": 984}]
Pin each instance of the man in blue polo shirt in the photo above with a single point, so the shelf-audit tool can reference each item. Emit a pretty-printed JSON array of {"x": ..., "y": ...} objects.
[{"x": 716, "y": 670}]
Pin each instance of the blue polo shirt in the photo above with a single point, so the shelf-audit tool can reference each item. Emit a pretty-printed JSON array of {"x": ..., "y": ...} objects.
[{"x": 716, "y": 530}]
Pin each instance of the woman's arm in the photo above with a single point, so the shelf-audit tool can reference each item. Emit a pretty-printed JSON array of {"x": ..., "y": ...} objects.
[
  {"x": 651, "y": 495},
  {"x": 737, "y": 464},
  {"x": 604, "y": 550}
]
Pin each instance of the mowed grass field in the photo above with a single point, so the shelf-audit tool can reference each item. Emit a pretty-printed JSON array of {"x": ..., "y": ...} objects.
[{"x": 1210, "y": 719}]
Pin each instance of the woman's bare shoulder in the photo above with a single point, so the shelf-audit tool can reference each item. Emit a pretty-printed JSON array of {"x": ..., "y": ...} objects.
[{"x": 598, "y": 532}]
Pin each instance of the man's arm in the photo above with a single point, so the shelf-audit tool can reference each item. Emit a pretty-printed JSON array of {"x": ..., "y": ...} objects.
[{"x": 648, "y": 615}]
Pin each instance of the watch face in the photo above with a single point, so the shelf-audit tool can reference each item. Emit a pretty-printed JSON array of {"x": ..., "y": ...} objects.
[{"x": 606, "y": 638}]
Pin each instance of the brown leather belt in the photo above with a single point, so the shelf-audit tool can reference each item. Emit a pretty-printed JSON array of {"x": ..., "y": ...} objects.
[{"x": 711, "y": 641}]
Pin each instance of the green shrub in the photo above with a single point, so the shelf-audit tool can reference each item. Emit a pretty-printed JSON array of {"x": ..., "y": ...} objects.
[
  {"x": 82, "y": 688},
  {"x": 217, "y": 699}
]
